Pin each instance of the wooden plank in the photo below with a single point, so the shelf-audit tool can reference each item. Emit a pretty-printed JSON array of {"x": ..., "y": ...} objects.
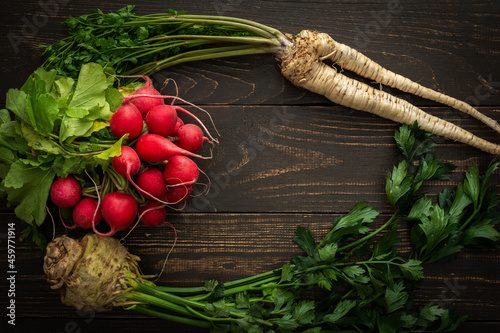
[
  {"x": 455, "y": 55},
  {"x": 314, "y": 159},
  {"x": 324, "y": 159}
]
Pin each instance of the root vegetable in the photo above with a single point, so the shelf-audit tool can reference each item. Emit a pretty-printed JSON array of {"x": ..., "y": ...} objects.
[
  {"x": 127, "y": 164},
  {"x": 65, "y": 192},
  {"x": 178, "y": 194},
  {"x": 181, "y": 171},
  {"x": 145, "y": 104},
  {"x": 353, "y": 60},
  {"x": 90, "y": 273},
  {"x": 155, "y": 148},
  {"x": 126, "y": 120},
  {"x": 190, "y": 137},
  {"x": 87, "y": 213},
  {"x": 162, "y": 120},
  {"x": 130, "y": 98},
  {"x": 304, "y": 67},
  {"x": 178, "y": 124},
  {"x": 152, "y": 213},
  {"x": 119, "y": 210},
  {"x": 151, "y": 183}
]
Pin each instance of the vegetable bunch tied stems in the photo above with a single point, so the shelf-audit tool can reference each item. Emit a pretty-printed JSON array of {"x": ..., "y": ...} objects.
[
  {"x": 134, "y": 44},
  {"x": 354, "y": 279}
]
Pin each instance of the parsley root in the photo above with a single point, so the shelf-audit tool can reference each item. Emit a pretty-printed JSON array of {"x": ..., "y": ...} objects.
[{"x": 304, "y": 67}]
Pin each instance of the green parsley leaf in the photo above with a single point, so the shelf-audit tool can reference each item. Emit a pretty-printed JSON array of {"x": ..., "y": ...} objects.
[
  {"x": 398, "y": 184},
  {"x": 305, "y": 240},
  {"x": 395, "y": 297},
  {"x": 341, "y": 310}
]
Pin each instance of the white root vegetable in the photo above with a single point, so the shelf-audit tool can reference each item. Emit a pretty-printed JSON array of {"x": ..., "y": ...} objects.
[{"x": 303, "y": 65}]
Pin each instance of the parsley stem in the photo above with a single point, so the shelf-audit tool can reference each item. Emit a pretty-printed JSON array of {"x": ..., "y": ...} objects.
[
  {"x": 196, "y": 55},
  {"x": 225, "y": 39},
  {"x": 173, "y": 318},
  {"x": 462, "y": 227},
  {"x": 204, "y": 20},
  {"x": 253, "y": 286},
  {"x": 371, "y": 235}
]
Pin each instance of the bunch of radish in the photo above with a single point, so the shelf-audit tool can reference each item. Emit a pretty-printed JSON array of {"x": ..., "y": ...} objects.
[{"x": 156, "y": 159}]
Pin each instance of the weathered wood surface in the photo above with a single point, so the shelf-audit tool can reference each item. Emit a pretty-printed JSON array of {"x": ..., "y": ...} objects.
[{"x": 286, "y": 156}]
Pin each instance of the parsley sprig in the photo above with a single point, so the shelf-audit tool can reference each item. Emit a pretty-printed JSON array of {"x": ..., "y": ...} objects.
[
  {"x": 354, "y": 279},
  {"x": 464, "y": 217},
  {"x": 133, "y": 44}
]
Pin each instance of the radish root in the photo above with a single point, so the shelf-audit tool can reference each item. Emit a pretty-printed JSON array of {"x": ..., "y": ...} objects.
[{"x": 303, "y": 65}]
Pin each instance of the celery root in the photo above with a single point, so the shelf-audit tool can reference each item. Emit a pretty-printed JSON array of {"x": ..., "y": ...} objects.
[{"x": 91, "y": 273}]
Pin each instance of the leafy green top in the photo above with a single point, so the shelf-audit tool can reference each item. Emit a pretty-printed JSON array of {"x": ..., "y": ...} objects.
[
  {"x": 58, "y": 126},
  {"x": 133, "y": 44}
]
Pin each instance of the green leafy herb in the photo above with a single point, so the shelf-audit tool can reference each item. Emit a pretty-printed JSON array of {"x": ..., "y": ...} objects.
[
  {"x": 352, "y": 280},
  {"x": 464, "y": 217},
  {"x": 133, "y": 44}
]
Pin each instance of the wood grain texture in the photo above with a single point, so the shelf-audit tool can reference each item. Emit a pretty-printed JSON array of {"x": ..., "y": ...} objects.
[{"x": 286, "y": 156}]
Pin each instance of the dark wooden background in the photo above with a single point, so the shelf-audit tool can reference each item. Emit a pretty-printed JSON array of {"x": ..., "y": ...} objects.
[{"x": 322, "y": 161}]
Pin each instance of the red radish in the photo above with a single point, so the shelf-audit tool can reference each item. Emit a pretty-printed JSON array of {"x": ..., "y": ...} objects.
[
  {"x": 153, "y": 148},
  {"x": 126, "y": 119},
  {"x": 190, "y": 137},
  {"x": 65, "y": 192},
  {"x": 151, "y": 183},
  {"x": 152, "y": 213},
  {"x": 178, "y": 125},
  {"x": 84, "y": 212},
  {"x": 119, "y": 210},
  {"x": 127, "y": 164},
  {"x": 178, "y": 194},
  {"x": 177, "y": 108},
  {"x": 162, "y": 120},
  {"x": 181, "y": 170},
  {"x": 145, "y": 104}
]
